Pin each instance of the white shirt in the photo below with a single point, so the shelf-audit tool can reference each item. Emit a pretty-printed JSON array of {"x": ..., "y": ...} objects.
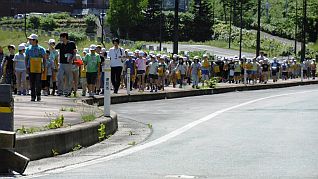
[{"x": 116, "y": 57}]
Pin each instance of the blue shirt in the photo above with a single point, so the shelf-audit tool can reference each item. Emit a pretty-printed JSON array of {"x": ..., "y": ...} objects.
[{"x": 36, "y": 51}]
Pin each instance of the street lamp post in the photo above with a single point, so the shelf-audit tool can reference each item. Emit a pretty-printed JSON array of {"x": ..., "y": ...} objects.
[
  {"x": 231, "y": 17},
  {"x": 296, "y": 28},
  {"x": 258, "y": 38},
  {"x": 176, "y": 27},
  {"x": 102, "y": 16},
  {"x": 303, "y": 43}
]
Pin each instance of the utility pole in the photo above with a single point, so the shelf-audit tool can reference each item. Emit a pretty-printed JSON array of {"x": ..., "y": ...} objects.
[
  {"x": 304, "y": 30},
  {"x": 231, "y": 17},
  {"x": 258, "y": 38},
  {"x": 241, "y": 28},
  {"x": 161, "y": 15},
  {"x": 296, "y": 28},
  {"x": 176, "y": 27}
]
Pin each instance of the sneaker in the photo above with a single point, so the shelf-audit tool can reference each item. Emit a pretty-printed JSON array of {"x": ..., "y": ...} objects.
[
  {"x": 156, "y": 90},
  {"x": 32, "y": 98},
  {"x": 38, "y": 98},
  {"x": 192, "y": 86},
  {"x": 74, "y": 93},
  {"x": 46, "y": 93},
  {"x": 24, "y": 93},
  {"x": 151, "y": 91}
]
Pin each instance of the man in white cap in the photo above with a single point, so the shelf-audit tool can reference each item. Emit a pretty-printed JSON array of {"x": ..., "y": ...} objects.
[
  {"x": 35, "y": 59},
  {"x": 67, "y": 56}
]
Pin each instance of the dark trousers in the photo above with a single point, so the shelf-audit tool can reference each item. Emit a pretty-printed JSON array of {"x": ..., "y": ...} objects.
[
  {"x": 116, "y": 77},
  {"x": 35, "y": 84}
]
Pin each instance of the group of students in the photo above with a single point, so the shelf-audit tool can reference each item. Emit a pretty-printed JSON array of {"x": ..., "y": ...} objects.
[{"x": 63, "y": 68}]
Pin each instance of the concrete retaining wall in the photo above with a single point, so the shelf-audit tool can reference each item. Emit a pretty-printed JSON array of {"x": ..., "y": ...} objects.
[
  {"x": 63, "y": 140},
  {"x": 187, "y": 93}
]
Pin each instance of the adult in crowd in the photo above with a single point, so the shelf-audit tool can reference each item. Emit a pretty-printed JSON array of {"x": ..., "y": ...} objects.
[
  {"x": 67, "y": 56},
  {"x": 116, "y": 55},
  {"x": 35, "y": 58}
]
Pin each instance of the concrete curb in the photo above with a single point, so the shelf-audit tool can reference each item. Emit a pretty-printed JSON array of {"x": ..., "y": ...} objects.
[
  {"x": 63, "y": 140},
  {"x": 187, "y": 93}
]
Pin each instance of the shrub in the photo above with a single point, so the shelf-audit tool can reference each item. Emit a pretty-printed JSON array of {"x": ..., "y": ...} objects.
[
  {"x": 34, "y": 22},
  {"x": 48, "y": 23}
]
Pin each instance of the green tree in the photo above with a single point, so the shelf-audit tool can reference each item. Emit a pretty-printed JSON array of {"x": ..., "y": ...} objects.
[
  {"x": 124, "y": 15},
  {"x": 202, "y": 20},
  {"x": 34, "y": 22}
]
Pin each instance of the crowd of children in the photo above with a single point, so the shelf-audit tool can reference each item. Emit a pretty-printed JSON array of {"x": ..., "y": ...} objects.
[{"x": 148, "y": 71}]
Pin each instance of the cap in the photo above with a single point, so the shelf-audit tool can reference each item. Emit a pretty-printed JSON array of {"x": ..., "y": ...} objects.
[
  {"x": 21, "y": 47},
  {"x": 153, "y": 56},
  {"x": 92, "y": 47},
  {"x": 131, "y": 54},
  {"x": 86, "y": 50},
  {"x": 51, "y": 41},
  {"x": 103, "y": 50},
  {"x": 175, "y": 56},
  {"x": 33, "y": 37},
  {"x": 141, "y": 53},
  {"x": 205, "y": 55},
  {"x": 196, "y": 58},
  {"x": 11, "y": 46}
]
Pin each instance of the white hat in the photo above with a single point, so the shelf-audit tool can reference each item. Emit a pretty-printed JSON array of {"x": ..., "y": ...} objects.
[
  {"x": 21, "y": 47},
  {"x": 205, "y": 55},
  {"x": 141, "y": 53},
  {"x": 175, "y": 56},
  {"x": 137, "y": 51},
  {"x": 104, "y": 50},
  {"x": 86, "y": 50},
  {"x": 131, "y": 54},
  {"x": 92, "y": 47},
  {"x": 51, "y": 41},
  {"x": 33, "y": 37},
  {"x": 11, "y": 46}
]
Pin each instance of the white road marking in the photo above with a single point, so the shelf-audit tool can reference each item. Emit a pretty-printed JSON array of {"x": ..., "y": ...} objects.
[{"x": 160, "y": 140}]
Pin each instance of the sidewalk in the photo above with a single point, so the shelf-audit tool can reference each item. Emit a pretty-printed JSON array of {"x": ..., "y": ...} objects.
[{"x": 39, "y": 114}]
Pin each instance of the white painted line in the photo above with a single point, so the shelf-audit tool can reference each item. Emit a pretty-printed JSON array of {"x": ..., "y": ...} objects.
[{"x": 162, "y": 139}]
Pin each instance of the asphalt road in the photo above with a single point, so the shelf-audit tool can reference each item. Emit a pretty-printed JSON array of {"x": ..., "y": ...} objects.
[
  {"x": 210, "y": 49},
  {"x": 253, "y": 134}
]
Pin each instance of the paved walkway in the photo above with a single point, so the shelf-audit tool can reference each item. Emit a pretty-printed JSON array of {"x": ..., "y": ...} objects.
[{"x": 39, "y": 114}]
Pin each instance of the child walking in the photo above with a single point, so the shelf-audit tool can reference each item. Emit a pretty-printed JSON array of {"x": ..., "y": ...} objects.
[{"x": 20, "y": 70}]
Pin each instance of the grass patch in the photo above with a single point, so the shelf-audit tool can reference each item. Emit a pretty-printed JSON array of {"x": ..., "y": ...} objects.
[
  {"x": 101, "y": 132},
  {"x": 31, "y": 130},
  {"x": 58, "y": 122},
  {"x": 88, "y": 117}
]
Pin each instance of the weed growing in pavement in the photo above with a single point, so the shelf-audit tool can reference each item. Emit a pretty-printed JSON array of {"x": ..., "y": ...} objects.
[
  {"x": 54, "y": 152},
  {"x": 131, "y": 133},
  {"x": 88, "y": 117},
  {"x": 149, "y": 126},
  {"x": 101, "y": 132},
  {"x": 132, "y": 143},
  {"x": 77, "y": 147},
  {"x": 31, "y": 130},
  {"x": 71, "y": 109},
  {"x": 56, "y": 123},
  {"x": 90, "y": 113}
]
